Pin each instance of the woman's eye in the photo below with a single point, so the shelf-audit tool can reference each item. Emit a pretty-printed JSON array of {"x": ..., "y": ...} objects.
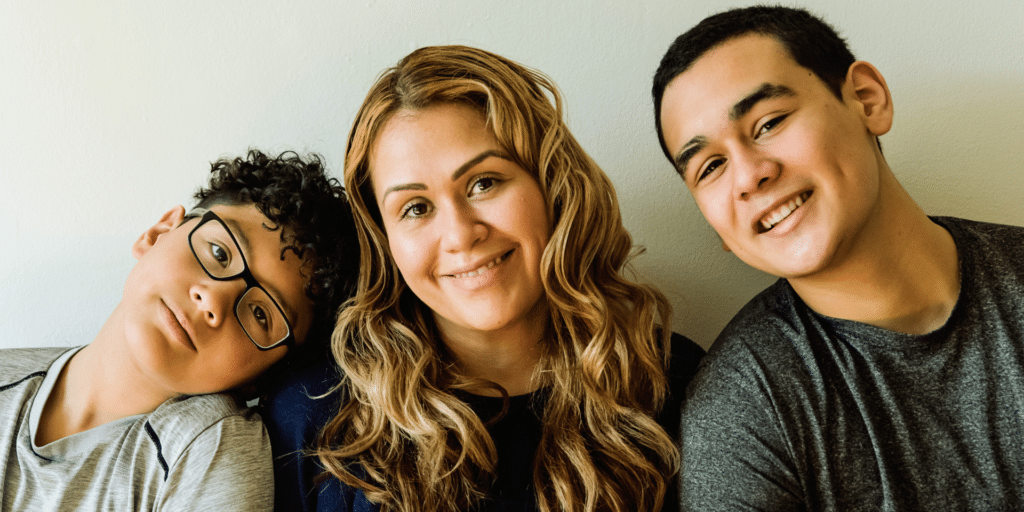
[
  {"x": 769, "y": 125},
  {"x": 415, "y": 210},
  {"x": 483, "y": 185}
]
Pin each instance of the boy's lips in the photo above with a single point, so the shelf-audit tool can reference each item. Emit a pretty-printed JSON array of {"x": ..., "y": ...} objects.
[{"x": 179, "y": 326}]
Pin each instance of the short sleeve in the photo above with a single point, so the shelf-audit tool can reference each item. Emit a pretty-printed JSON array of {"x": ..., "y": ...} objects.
[
  {"x": 227, "y": 467},
  {"x": 735, "y": 455}
]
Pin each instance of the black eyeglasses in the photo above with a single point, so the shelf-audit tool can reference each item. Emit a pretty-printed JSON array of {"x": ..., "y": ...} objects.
[{"x": 218, "y": 252}]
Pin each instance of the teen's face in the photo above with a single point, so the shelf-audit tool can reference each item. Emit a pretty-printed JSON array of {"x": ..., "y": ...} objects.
[
  {"x": 466, "y": 226},
  {"x": 785, "y": 172},
  {"x": 181, "y": 324}
]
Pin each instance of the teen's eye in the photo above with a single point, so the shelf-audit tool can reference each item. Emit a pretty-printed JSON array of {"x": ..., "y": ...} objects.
[
  {"x": 483, "y": 185},
  {"x": 415, "y": 209},
  {"x": 709, "y": 168},
  {"x": 769, "y": 125}
]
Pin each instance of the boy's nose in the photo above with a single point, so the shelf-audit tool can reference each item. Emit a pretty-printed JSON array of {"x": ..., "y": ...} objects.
[{"x": 216, "y": 299}]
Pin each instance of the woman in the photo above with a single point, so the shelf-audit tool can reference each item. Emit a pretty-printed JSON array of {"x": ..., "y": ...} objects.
[{"x": 494, "y": 356}]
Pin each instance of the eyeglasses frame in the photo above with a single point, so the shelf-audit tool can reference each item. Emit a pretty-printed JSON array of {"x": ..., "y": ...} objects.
[{"x": 246, "y": 275}]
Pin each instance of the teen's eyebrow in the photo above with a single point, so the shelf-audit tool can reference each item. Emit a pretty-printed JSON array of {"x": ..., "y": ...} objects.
[
  {"x": 455, "y": 175},
  {"x": 766, "y": 91},
  {"x": 691, "y": 148}
]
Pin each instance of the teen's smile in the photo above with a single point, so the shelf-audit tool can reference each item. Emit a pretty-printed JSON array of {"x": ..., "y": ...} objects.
[{"x": 781, "y": 210}]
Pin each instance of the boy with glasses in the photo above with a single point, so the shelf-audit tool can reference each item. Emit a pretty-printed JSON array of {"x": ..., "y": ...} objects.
[{"x": 139, "y": 418}]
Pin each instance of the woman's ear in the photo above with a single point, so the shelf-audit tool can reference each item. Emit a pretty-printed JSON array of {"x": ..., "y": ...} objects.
[
  {"x": 871, "y": 95},
  {"x": 169, "y": 221}
]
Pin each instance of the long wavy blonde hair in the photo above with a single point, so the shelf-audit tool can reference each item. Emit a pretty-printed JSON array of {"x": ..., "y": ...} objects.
[{"x": 402, "y": 435}]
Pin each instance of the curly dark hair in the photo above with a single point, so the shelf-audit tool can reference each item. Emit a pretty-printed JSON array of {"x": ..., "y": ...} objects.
[{"x": 296, "y": 194}]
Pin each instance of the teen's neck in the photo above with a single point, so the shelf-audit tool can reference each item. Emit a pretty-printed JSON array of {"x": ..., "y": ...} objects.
[
  {"x": 99, "y": 384},
  {"x": 903, "y": 275}
]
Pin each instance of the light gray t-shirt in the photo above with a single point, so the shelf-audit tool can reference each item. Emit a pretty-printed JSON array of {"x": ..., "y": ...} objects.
[
  {"x": 792, "y": 410},
  {"x": 191, "y": 453}
]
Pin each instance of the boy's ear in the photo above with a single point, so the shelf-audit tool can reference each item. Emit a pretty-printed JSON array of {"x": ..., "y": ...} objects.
[
  {"x": 169, "y": 221},
  {"x": 871, "y": 94}
]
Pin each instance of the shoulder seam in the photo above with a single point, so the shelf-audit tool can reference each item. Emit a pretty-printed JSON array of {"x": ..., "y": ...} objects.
[
  {"x": 159, "y": 448},
  {"x": 41, "y": 373}
]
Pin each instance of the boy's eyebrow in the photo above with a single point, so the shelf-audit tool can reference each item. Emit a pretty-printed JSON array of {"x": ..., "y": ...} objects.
[{"x": 742, "y": 107}]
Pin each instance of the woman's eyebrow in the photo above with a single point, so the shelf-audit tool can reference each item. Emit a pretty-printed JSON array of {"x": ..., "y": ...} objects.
[
  {"x": 455, "y": 175},
  {"x": 475, "y": 160}
]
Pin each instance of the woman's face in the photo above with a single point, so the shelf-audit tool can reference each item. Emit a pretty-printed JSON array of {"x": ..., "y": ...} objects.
[{"x": 466, "y": 225}]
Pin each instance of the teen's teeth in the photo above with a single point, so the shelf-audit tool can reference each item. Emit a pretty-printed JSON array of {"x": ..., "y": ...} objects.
[
  {"x": 778, "y": 215},
  {"x": 481, "y": 270}
]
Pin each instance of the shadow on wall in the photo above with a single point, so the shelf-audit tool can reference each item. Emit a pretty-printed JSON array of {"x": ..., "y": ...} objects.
[{"x": 962, "y": 157}]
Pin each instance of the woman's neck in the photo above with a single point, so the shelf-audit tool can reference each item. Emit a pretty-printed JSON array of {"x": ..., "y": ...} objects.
[{"x": 508, "y": 356}]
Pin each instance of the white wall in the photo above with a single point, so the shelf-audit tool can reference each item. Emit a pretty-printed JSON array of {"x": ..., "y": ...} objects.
[{"x": 110, "y": 112}]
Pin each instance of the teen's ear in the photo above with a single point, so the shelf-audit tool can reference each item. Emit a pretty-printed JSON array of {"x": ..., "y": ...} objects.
[
  {"x": 871, "y": 94},
  {"x": 169, "y": 221},
  {"x": 725, "y": 246}
]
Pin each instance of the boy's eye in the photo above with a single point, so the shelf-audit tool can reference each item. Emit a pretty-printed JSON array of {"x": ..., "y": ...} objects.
[
  {"x": 219, "y": 254},
  {"x": 261, "y": 317}
]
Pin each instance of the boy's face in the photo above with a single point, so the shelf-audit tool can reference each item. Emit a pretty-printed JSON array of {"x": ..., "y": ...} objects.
[
  {"x": 181, "y": 325},
  {"x": 785, "y": 172}
]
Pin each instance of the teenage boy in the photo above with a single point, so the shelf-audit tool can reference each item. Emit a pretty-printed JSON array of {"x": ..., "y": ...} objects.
[
  {"x": 136, "y": 420},
  {"x": 885, "y": 370}
]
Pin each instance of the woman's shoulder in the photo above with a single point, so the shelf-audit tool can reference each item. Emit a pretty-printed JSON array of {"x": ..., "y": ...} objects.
[
  {"x": 684, "y": 359},
  {"x": 683, "y": 362}
]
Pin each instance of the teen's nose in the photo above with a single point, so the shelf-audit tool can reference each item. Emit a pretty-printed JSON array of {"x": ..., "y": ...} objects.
[
  {"x": 752, "y": 171},
  {"x": 461, "y": 228},
  {"x": 215, "y": 300}
]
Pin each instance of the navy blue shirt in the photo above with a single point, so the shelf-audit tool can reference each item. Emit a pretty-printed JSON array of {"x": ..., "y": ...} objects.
[{"x": 293, "y": 418}]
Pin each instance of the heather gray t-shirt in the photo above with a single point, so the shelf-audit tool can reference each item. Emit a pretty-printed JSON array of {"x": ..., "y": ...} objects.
[
  {"x": 795, "y": 411},
  {"x": 191, "y": 453}
]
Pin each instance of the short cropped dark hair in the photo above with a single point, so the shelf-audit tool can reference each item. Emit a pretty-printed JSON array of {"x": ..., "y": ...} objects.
[
  {"x": 811, "y": 42},
  {"x": 296, "y": 194}
]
